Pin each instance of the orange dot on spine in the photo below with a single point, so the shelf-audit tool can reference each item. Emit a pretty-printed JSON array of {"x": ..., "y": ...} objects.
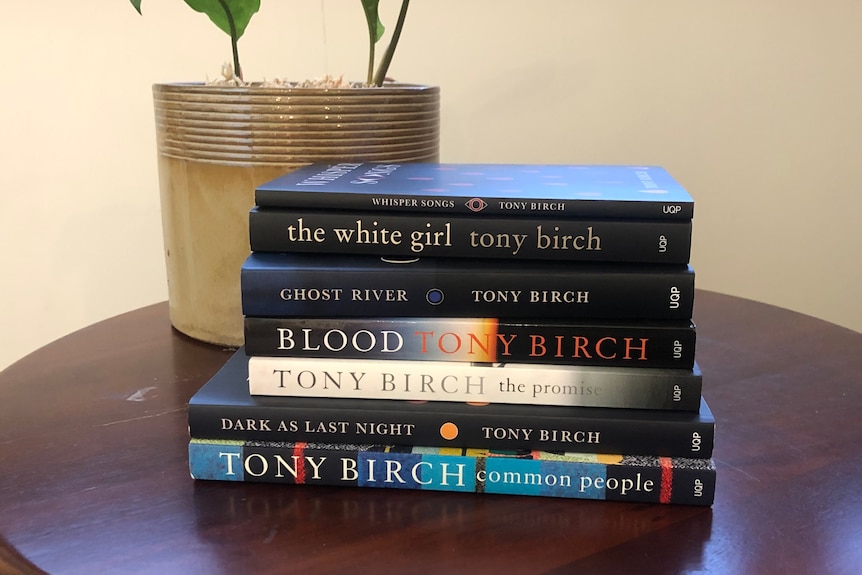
[{"x": 448, "y": 430}]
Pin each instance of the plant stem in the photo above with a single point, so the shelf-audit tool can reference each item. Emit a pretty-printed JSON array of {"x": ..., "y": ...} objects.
[
  {"x": 393, "y": 43},
  {"x": 233, "y": 39},
  {"x": 371, "y": 42}
]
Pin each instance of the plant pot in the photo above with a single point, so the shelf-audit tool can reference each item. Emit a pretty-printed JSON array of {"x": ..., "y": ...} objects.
[{"x": 216, "y": 144}]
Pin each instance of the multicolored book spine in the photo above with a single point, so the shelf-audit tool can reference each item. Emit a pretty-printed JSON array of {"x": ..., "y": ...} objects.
[
  {"x": 586, "y": 386},
  {"x": 644, "y": 479},
  {"x": 412, "y": 235},
  {"x": 610, "y": 344},
  {"x": 534, "y": 190},
  {"x": 316, "y": 285}
]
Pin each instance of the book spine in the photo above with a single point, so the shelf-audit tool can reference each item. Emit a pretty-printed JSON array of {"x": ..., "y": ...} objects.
[
  {"x": 607, "y": 433},
  {"x": 635, "y": 479},
  {"x": 474, "y": 340},
  {"x": 401, "y": 290},
  {"x": 624, "y": 387},
  {"x": 468, "y": 205},
  {"x": 411, "y": 235}
]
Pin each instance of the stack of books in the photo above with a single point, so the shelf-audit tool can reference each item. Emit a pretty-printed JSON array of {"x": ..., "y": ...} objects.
[{"x": 514, "y": 329}]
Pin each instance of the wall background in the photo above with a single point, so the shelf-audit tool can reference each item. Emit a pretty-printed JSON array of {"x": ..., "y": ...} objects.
[{"x": 755, "y": 107}]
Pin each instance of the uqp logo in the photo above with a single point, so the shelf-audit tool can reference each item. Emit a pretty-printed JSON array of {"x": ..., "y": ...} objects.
[{"x": 476, "y": 204}]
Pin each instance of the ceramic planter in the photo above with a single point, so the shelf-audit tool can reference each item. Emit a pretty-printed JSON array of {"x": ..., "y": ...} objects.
[{"x": 215, "y": 145}]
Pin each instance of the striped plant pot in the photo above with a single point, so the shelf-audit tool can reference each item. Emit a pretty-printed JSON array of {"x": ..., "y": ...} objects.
[{"x": 216, "y": 144}]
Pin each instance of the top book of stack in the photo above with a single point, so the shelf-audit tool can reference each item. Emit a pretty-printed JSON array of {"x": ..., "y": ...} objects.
[{"x": 558, "y": 191}]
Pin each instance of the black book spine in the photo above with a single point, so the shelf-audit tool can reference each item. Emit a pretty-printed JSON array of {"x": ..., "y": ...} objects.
[
  {"x": 524, "y": 427},
  {"x": 301, "y": 285},
  {"x": 413, "y": 235},
  {"x": 660, "y": 345}
]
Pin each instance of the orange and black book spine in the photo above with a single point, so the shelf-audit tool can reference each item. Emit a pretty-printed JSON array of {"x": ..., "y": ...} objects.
[{"x": 669, "y": 344}]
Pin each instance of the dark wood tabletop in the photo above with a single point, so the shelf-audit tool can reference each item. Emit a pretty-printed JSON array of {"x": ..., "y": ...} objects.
[{"x": 94, "y": 476}]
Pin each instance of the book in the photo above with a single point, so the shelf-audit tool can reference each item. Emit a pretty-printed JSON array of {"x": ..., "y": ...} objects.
[
  {"x": 586, "y": 386},
  {"x": 668, "y": 344},
  {"x": 639, "y": 478},
  {"x": 223, "y": 408},
  {"x": 617, "y": 192},
  {"x": 313, "y": 285},
  {"x": 509, "y": 238}
]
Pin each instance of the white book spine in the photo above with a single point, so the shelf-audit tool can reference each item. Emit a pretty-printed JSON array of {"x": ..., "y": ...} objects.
[{"x": 642, "y": 388}]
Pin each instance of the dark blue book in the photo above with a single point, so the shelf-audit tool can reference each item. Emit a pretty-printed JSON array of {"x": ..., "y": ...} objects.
[
  {"x": 314, "y": 285},
  {"x": 559, "y": 191}
]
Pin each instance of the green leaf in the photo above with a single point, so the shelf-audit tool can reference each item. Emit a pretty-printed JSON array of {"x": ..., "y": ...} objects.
[
  {"x": 372, "y": 17},
  {"x": 231, "y": 16},
  {"x": 137, "y": 5}
]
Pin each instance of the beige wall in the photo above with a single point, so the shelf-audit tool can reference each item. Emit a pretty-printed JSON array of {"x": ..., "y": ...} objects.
[{"x": 756, "y": 107}]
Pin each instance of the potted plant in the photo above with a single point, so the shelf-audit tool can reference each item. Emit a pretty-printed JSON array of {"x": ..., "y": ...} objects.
[{"x": 217, "y": 141}]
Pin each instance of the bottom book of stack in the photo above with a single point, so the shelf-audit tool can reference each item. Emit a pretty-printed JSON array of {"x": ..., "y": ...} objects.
[
  {"x": 570, "y": 452},
  {"x": 638, "y": 478}
]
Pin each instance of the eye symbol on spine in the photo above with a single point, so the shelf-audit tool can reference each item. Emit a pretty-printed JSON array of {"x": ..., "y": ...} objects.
[
  {"x": 434, "y": 296},
  {"x": 476, "y": 204}
]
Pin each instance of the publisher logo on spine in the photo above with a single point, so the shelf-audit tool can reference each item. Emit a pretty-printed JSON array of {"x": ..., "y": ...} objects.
[{"x": 476, "y": 204}]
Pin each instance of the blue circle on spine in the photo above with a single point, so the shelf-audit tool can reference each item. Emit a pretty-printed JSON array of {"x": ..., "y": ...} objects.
[{"x": 434, "y": 296}]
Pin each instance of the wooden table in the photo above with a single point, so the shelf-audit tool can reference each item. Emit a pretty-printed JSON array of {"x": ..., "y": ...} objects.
[{"x": 94, "y": 474}]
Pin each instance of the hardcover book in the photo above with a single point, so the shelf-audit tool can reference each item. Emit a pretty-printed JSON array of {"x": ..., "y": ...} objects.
[
  {"x": 619, "y": 192},
  {"x": 586, "y": 386},
  {"x": 639, "y": 478},
  {"x": 512, "y": 238},
  {"x": 609, "y": 343},
  {"x": 224, "y": 409},
  {"x": 314, "y": 285}
]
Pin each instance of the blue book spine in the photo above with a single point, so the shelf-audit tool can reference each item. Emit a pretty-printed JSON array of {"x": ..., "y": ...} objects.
[{"x": 309, "y": 285}]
